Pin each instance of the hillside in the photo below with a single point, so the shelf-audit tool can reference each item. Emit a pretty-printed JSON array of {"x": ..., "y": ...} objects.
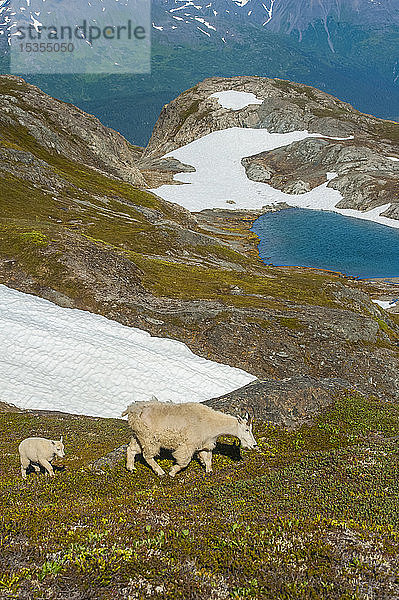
[
  {"x": 78, "y": 235},
  {"x": 313, "y": 513},
  {"x": 84, "y": 238},
  {"x": 364, "y": 156}
]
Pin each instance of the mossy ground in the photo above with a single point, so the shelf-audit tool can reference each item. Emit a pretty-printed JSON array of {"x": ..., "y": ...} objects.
[{"x": 313, "y": 514}]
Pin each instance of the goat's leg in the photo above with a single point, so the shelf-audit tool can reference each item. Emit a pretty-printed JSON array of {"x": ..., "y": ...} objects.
[
  {"x": 182, "y": 456},
  {"x": 24, "y": 466},
  {"x": 149, "y": 458},
  {"x": 205, "y": 457},
  {"x": 47, "y": 466},
  {"x": 131, "y": 451}
]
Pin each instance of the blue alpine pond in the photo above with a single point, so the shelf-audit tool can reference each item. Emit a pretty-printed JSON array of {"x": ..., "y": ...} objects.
[{"x": 328, "y": 240}]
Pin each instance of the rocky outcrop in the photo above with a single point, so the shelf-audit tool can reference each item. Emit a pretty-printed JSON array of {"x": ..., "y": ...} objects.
[
  {"x": 109, "y": 460},
  {"x": 367, "y": 177},
  {"x": 29, "y": 117},
  {"x": 286, "y": 107},
  {"x": 289, "y": 402},
  {"x": 160, "y": 171}
]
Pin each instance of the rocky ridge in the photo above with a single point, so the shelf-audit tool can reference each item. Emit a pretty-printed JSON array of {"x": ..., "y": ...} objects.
[
  {"x": 62, "y": 129},
  {"x": 366, "y": 177},
  {"x": 289, "y": 402}
]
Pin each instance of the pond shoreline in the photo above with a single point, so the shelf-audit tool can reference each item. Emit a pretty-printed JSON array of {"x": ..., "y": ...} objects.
[
  {"x": 327, "y": 240},
  {"x": 239, "y": 224}
]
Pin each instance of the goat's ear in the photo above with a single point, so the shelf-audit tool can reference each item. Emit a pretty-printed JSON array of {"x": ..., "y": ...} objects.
[{"x": 61, "y": 438}]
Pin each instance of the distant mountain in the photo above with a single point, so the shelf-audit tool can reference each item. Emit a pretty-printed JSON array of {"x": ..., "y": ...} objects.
[
  {"x": 223, "y": 19},
  {"x": 299, "y": 14},
  {"x": 349, "y": 48}
]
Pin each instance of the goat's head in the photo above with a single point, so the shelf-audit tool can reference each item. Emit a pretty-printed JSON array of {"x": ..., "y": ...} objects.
[
  {"x": 59, "y": 448},
  {"x": 245, "y": 432}
]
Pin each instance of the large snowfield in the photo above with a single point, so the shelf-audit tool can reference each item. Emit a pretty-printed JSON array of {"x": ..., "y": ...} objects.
[
  {"x": 74, "y": 361},
  {"x": 220, "y": 181}
]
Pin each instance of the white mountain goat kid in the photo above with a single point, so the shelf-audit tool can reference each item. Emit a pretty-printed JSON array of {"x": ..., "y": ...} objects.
[
  {"x": 184, "y": 429},
  {"x": 39, "y": 451}
]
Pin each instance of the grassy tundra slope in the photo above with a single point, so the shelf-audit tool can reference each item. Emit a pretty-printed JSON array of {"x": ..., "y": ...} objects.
[{"x": 312, "y": 515}]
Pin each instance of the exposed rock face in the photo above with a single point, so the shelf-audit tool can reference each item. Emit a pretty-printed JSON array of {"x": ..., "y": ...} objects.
[
  {"x": 160, "y": 171},
  {"x": 65, "y": 130},
  {"x": 367, "y": 178},
  {"x": 109, "y": 460},
  {"x": 289, "y": 402},
  {"x": 286, "y": 107}
]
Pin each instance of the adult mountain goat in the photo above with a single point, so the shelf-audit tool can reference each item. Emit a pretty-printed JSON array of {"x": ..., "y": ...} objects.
[{"x": 184, "y": 429}]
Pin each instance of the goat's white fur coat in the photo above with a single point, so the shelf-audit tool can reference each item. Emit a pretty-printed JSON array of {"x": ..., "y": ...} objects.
[
  {"x": 184, "y": 428},
  {"x": 39, "y": 451}
]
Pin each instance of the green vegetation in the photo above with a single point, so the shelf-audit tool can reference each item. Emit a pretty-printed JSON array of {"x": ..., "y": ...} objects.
[
  {"x": 313, "y": 514},
  {"x": 292, "y": 323},
  {"x": 34, "y": 237},
  {"x": 191, "y": 110},
  {"x": 183, "y": 281},
  {"x": 388, "y": 130},
  {"x": 391, "y": 333}
]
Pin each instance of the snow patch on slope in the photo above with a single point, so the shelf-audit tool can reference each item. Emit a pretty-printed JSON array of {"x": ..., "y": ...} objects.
[
  {"x": 220, "y": 181},
  {"x": 55, "y": 358},
  {"x": 269, "y": 12},
  {"x": 236, "y": 100},
  {"x": 386, "y": 304}
]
